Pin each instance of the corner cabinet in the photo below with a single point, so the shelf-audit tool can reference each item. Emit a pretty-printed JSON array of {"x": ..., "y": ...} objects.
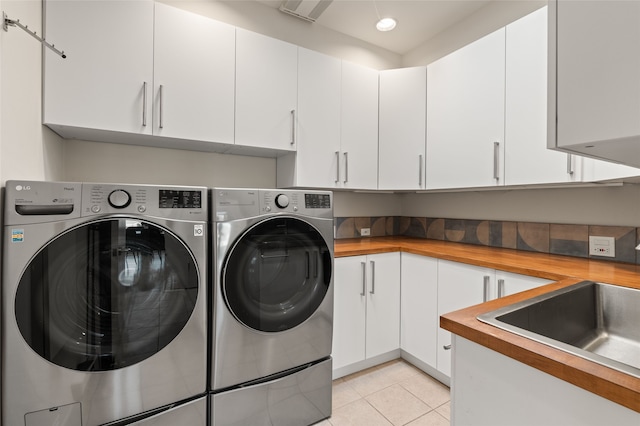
[
  {"x": 266, "y": 92},
  {"x": 465, "y": 110},
  {"x": 366, "y": 322},
  {"x": 358, "y": 157},
  {"x": 337, "y": 140},
  {"x": 419, "y": 314},
  {"x": 402, "y": 132}
]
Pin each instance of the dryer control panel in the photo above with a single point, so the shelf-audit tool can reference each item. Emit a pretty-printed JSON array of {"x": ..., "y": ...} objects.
[{"x": 230, "y": 204}]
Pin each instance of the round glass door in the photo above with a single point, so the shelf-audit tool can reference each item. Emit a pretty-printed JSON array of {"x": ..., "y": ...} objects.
[
  {"x": 106, "y": 295},
  {"x": 276, "y": 274}
]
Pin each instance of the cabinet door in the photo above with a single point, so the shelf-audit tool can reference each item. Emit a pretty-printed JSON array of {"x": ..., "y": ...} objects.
[
  {"x": 527, "y": 159},
  {"x": 349, "y": 310},
  {"x": 383, "y": 303},
  {"x": 419, "y": 307},
  {"x": 509, "y": 283},
  {"x": 359, "y": 128},
  {"x": 402, "y": 127},
  {"x": 597, "y": 48},
  {"x": 194, "y": 73},
  {"x": 465, "y": 110},
  {"x": 106, "y": 81},
  {"x": 318, "y": 152},
  {"x": 459, "y": 286},
  {"x": 266, "y": 91}
]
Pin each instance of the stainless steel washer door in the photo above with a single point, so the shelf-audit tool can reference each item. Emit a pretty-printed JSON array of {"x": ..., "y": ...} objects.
[
  {"x": 276, "y": 274},
  {"x": 106, "y": 294}
]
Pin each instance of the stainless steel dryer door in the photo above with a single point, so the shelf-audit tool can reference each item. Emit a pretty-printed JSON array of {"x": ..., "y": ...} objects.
[
  {"x": 106, "y": 294},
  {"x": 276, "y": 274}
]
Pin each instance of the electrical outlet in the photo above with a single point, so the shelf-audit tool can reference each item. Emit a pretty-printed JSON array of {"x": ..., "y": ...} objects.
[
  {"x": 365, "y": 232},
  {"x": 602, "y": 246}
]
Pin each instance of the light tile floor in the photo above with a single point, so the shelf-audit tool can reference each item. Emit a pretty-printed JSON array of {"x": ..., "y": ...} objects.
[{"x": 395, "y": 393}]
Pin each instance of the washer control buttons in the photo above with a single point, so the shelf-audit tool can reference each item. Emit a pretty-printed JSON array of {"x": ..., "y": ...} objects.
[
  {"x": 119, "y": 199},
  {"x": 282, "y": 201},
  {"x": 95, "y": 209},
  {"x": 142, "y": 208}
]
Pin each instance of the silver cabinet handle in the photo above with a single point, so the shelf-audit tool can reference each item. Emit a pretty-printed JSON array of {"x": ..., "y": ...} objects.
[
  {"x": 447, "y": 347},
  {"x": 373, "y": 277},
  {"x": 293, "y": 126},
  {"x": 346, "y": 167},
  {"x": 420, "y": 171},
  {"x": 569, "y": 164},
  {"x": 364, "y": 278},
  {"x": 496, "y": 160},
  {"x": 144, "y": 103},
  {"x": 337, "y": 166},
  {"x": 161, "y": 123},
  {"x": 485, "y": 295},
  {"x": 500, "y": 288}
]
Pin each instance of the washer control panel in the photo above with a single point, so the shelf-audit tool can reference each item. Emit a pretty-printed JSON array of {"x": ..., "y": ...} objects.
[{"x": 162, "y": 201}]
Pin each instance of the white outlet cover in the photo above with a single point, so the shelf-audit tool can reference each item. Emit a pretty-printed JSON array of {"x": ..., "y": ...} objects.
[{"x": 602, "y": 246}]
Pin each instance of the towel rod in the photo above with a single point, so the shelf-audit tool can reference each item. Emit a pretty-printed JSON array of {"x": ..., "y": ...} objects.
[{"x": 6, "y": 23}]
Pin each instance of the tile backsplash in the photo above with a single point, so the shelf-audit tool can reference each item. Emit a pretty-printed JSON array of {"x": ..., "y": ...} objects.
[{"x": 562, "y": 239}]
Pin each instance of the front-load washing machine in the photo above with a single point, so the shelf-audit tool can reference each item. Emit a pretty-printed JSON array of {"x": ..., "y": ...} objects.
[
  {"x": 272, "y": 299},
  {"x": 104, "y": 304}
]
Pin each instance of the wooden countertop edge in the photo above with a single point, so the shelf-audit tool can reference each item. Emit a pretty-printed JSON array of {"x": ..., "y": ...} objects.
[{"x": 611, "y": 384}]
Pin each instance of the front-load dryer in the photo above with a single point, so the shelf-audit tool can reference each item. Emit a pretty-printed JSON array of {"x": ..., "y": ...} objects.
[
  {"x": 104, "y": 305},
  {"x": 272, "y": 299}
]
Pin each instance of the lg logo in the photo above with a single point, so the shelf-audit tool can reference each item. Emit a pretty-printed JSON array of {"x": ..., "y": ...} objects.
[{"x": 23, "y": 188}]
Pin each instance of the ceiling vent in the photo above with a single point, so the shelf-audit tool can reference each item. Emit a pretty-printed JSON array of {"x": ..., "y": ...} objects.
[{"x": 309, "y": 10}]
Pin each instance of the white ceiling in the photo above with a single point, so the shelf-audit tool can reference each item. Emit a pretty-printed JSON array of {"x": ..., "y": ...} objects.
[{"x": 418, "y": 20}]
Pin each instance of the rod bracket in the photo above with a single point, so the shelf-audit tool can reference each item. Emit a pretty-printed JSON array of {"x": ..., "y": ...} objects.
[{"x": 7, "y": 22}]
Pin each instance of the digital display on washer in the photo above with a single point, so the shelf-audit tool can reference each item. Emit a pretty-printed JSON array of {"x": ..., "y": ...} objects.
[
  {"x": 173, "y": 199},
  {"x": 317, "y": 201}
]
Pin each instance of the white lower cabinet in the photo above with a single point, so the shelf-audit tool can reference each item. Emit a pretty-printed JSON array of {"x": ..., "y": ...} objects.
[
  {"x": 461, "y": 285},
  {"x": 366, "y": 318},
  {"x": 389, "y": 302},
  {"x": 419, "y": 307}
]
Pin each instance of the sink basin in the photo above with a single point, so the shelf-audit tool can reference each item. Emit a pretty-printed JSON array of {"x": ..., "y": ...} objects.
[{"x": 599, "y": 322}]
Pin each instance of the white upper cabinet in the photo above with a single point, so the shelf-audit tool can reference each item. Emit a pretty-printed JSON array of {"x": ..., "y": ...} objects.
[
  {"x": 527, "y": 159},
  {"x": 316, "y": 162},
  {"x": 595, "y": 69},
  {"x": 359, "y": 129},
  {"x": 194, "y": 74},
  {"x": 106, "y": 81},
  {"x": 266, "y": 91},
  {"x": 402, "y": 127},
  {"x": 163, "y": 72},
  {"x": 465, "y": 116}
]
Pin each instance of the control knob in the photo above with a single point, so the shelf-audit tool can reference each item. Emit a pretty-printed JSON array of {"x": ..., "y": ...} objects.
[
  {"x": 282, "y": 201},
  {"x": 119, "y": 199}
]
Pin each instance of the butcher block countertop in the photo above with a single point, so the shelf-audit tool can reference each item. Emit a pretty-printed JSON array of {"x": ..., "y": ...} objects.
[{"x": 564, "y": 270}]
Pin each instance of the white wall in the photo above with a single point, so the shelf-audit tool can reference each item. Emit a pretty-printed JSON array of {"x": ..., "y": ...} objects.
[
  {"x": 266, "y": 20},
  {"x": 28, "y": 150},
  {"x": 491, "y": 17},
  {"x": 103, "y": 162},
  {"x": 589, "y": 206}
]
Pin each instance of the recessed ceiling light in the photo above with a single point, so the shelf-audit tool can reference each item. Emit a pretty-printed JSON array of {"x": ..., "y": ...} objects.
[{"x": 386, "y": 24}]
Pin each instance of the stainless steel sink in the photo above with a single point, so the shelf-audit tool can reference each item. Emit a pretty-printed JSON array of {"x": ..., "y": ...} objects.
[{"x": 599, "y": 322}]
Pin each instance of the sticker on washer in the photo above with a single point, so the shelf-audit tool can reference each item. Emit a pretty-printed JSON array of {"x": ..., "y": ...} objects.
[
  {"x": 198, "y": 230},
  {"x": 17, "y": 235}
]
